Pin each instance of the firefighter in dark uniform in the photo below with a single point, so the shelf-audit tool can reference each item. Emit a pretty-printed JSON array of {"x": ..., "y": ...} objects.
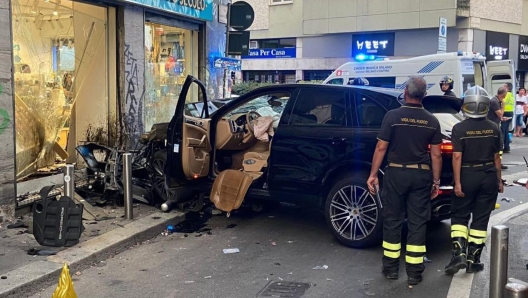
[
  {"x": 477, "y": 173},
  {"x": 408, "y": 184},
  {"x": 446, "y": 85}
]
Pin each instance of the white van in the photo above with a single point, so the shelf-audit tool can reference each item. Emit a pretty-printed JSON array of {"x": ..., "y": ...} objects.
[{"x": 466, "y": 69}]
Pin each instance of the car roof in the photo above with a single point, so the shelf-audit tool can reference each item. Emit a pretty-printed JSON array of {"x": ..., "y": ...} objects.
[{"x": 387, "y": 91}]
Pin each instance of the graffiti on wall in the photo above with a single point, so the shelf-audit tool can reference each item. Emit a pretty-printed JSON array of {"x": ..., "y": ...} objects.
[
  {"x": 134, "y": 96},
  {"x": 4, "y": 116}
]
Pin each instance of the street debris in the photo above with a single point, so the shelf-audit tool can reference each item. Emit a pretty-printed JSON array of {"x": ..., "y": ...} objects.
[
  {"x": 78, "y": 273},
  {"x": 280, "y": 278},
  {"x": 189, "y": 281},
  {"x": 231, "y": 250},
  {"x": 324, "y": 267},
  {"x": 328, "y": 279},
  {"x": 231, "y": 226},
  {"x": 18, "y": 224},
  {"x": 273, "y": 243},
  {"x": 497, "y": 206},
  {"x": 291, "y": 242},
  {"x": 207, "y": 277},
  {"x": 427, "y": 260},
  {"x": 291, "y": 273},
  {"x": 3, "y": 277},
  {"x": 278, "y": 264},
  {"x": 508, "y": 200}
]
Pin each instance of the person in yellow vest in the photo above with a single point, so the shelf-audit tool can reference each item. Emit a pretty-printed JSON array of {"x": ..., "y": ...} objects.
[{"x": 509, "y": 107}]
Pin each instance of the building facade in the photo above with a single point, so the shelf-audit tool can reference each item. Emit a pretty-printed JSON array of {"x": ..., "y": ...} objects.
[
  {"x": 306, "y": 40},
  {"x": 96, "y": 71}
]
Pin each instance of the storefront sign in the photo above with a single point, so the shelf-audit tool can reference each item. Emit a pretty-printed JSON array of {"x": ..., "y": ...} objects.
[
  {"x": 497, "y": 46},
  {"x": 271, "y": 53},
  {"x": 523, "y": 53},
  {"x": 373, "y": 44},
  {"x": 229, "y": 63},
  {"x": 199, "y": 9}
]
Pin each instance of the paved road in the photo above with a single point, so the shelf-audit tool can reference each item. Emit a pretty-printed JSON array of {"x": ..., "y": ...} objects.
[{"x": 281, "y": 245}]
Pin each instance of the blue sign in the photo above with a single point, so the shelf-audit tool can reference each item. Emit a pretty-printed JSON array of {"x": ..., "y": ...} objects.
[
  {"x": 199, "y": 9},
  {"x": 229, "y": 63},
  {"x": 271, "y": 53}
]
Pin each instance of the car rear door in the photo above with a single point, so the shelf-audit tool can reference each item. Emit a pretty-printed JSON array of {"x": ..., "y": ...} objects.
[
  {"x": 188, "y": 138},
  {"x": 310, "y": 138}
]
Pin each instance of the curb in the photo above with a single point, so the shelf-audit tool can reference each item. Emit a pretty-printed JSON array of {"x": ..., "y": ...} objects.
[
  {"x": 28, "y": 280},
  {"x": 461, "y": 284}
]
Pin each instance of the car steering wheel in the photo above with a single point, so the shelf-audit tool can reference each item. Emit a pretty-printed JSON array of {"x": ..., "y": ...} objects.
[{"x": 250, "y": 116}]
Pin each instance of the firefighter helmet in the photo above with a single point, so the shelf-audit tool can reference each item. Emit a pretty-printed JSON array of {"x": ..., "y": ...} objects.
[
  {"x": 447, "y": 80},
  {"x": 476, "y": 102}
]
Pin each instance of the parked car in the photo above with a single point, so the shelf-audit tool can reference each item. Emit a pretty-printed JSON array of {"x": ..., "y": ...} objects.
[{"x": 320, "y": 153}]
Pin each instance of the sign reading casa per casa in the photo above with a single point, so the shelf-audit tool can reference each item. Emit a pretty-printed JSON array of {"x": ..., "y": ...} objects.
[
  {"x": 198, "y": 9},
  {"x": 271, "y": 53}
]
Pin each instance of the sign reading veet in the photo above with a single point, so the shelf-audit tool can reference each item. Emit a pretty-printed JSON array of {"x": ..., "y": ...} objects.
[
  {"x": 381, "y": 44},
  {"x": 497, "y": 46},
  {"x": 523, "y": 54}
]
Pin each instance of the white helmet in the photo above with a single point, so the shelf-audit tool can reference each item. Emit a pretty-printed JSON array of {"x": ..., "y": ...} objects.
[{"x": 476, "y": 102}]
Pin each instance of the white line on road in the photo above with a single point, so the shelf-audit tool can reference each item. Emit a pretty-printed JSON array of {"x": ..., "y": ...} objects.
[{"x": 461, "y": 283}]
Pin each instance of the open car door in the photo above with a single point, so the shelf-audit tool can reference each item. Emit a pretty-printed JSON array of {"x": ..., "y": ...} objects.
[
  {"x": 188, "y": 138},
  {"x": 498, "y": 74}
]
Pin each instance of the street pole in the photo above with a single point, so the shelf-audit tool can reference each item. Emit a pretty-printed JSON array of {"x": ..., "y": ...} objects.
[
  {"x": 127, "y": 185},
  {"x": 226, "y": 53},
  {"x": 69, "y": 181},
  {"x": 498, "y": 261},
  {"x": 516, "y": 290}
]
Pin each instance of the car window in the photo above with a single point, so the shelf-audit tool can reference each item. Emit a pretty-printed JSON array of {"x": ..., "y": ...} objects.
[
  {"x": 369, "y": 111},
  {"x": 319, "y": 107},
  {"x": 271, "y": 104},
  {"x": 335, "y": 82}
]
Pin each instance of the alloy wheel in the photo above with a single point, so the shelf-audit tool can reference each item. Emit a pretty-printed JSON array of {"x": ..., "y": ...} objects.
[
  {"x": 353, "y": 212},
  {"x": 158, "y": 179}
]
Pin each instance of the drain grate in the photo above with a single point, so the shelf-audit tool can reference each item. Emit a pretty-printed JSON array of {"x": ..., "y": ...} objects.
[{"x": 284, "y": 289}]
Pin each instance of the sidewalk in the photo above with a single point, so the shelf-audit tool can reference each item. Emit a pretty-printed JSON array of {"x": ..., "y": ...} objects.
[{"x": 22, "y": 274}]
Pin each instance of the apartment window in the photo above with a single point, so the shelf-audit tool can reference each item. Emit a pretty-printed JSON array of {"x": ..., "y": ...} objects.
[{"x": 281, "y": 1}]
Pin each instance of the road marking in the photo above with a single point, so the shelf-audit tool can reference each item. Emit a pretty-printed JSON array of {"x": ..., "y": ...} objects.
[{"x": 462, "y": 283}]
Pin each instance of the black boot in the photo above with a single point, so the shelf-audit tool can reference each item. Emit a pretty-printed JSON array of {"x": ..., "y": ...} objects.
[
  {"x": 458, "y": 261},
  {"x": 473, "y": 258}
]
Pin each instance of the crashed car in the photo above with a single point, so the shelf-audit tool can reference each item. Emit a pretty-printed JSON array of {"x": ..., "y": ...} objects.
[{"x": 298, "y": 143}]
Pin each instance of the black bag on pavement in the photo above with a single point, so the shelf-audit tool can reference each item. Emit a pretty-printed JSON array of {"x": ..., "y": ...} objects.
[{"x": 57, "y": 222}]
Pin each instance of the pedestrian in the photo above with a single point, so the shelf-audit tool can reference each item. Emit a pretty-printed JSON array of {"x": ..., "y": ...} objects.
[
  {"x": 496, "y": 113},
  {"x": 408, "y": 184},
  {"x": 520, "y": 107},
  {"x": 446, "y": 85},
  {"x": 477, "y": 175},
  {"x": 509, "y": 107}
]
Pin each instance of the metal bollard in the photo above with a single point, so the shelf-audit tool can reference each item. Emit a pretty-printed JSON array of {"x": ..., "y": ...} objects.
[
  {"x": 127, "y": 185},
  {"x": 69, "y": 181},
  {"x": 498, "y": 261},
  {"x": 516, "y": 290}
]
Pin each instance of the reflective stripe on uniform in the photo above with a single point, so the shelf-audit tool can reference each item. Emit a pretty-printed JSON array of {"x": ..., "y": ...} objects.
[
  {"x": 391, "y": 254},
  {"x": 477, "y": 240},
  {"x": 391, "y": 246},
  {"x": 478, "y": 233},
  {"x": 459, "y": 231},
  {"x": 413, "y": 260},
  {"x": 415, "y": 248},
  {"x": 500, "y": 154}
]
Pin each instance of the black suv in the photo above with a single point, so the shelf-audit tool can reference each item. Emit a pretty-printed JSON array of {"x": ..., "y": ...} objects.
[{"x": 319, "y": 154}]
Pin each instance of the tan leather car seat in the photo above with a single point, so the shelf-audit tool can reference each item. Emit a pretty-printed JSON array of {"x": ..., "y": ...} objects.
[{"x": 257, "y": 157}]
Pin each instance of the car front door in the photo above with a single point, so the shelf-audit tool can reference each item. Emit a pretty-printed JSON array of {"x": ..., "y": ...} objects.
[
  {"x": 311, "y": 137},
  {"x": 188, "y": 138}
]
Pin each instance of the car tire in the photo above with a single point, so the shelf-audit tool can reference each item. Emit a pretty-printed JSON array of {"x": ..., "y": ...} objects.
[
  {"x": 161, "y": 193},
  {"x": 358, "y": 222}
]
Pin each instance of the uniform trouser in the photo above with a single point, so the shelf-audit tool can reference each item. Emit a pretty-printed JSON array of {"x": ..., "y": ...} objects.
[
  {"x": 505, "y": 128},
  {"x": 405, "y": 191},
  {"x": 480, "y": 187}
]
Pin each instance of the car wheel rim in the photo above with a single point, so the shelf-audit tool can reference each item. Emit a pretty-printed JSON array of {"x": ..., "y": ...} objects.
[
  {"x": 159, "y": 179},
  {"x": 353, "y": 212}
]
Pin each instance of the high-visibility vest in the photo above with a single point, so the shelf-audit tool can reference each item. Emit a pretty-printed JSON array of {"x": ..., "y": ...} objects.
[{"x": 509, "y": 102}]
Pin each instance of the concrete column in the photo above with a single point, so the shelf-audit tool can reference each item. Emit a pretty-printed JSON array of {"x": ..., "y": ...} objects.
[
  {"x": 465, "y": 40},
  {"x": 131, "y": 27},
  {"x": 7, "y": 138}
]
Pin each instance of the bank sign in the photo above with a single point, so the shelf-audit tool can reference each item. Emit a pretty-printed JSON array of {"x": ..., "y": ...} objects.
[
  {"x": 198, "y": 9},
  {"x": 271, "y": 53},
  {"x": 523, "y": 54}
]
